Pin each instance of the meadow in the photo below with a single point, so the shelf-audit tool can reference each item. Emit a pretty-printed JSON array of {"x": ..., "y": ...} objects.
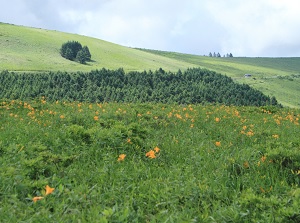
[{"x": 143, "y": 162}]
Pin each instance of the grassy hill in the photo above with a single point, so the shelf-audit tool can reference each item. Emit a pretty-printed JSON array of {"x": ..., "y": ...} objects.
[{"x": 32, "y": 49}]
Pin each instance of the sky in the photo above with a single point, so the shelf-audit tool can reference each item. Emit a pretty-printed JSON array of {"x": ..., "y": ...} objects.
[{"x": 256, "y": 28}]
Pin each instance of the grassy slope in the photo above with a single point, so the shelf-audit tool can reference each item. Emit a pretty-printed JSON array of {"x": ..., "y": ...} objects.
[
  {"x": 31, "y": 49},
  {"x": 265, "y": 73}
]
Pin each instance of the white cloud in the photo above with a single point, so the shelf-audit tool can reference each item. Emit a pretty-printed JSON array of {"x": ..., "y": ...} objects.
[
  {"x": 245, "y": 28},
  {"x": 253, "y": 26}
]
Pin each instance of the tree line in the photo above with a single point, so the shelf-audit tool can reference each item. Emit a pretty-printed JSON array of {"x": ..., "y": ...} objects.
[
  {"x": 192, "y": 86},
  {"x": 214, "y": 54}
]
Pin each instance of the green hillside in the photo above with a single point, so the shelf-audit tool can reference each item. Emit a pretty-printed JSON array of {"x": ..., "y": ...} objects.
[
  {"x": 32, "y": 49},
  {"x": 279, "y": 77}
]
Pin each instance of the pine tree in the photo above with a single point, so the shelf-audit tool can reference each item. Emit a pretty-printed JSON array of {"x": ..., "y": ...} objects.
[
  {"x": 87, "y": 53},
  {"x": 81, "y": 57}
]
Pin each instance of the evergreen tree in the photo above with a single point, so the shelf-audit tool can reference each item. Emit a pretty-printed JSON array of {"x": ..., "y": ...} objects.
[
  {"x": 87, "y": 53},
  {"x": 68, "y": 54},
  {"x": 81, "y": 57}
]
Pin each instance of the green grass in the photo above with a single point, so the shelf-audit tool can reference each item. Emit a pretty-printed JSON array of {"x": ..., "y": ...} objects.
[{"x": 215, "y": 164}]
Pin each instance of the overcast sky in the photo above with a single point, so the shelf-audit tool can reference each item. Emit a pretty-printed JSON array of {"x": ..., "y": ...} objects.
[{"x": 253, "y": 28}]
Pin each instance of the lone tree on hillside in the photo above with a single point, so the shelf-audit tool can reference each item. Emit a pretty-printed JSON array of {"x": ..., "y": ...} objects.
[{"x": 73, "y": 50}]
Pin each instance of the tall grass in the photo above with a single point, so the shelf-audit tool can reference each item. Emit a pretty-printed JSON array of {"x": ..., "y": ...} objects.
[{"x": 148, "y": 163}]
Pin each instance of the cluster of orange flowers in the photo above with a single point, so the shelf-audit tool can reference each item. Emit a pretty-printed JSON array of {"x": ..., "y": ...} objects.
[
  {"x": 249, "y": 132},
  {"x": 152, "y": 153},
  {"x": 48, "y": 191}
]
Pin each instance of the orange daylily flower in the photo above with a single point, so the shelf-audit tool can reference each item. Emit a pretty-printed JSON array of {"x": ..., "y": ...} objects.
[
  {"x": 49, "y": 190},
  {"x": 217, "y": 119},
  {"x": 156, "y": 149},
  {"x": 151, "y": 154},
  {"x": 218, "y": 143},
  {"x": 121, "y": 157},
  {"x": 96, "y": 118},
  {"x": 35, "y": 199}
]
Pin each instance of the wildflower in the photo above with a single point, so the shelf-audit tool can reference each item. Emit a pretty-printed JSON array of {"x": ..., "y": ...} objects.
[
  {"x": 275, "y": 136},
  {"x": 217, "y": 119},
  {"x": 35, "y": 199},
  {"x": 156, "y": 149},
  {"x": 139, "y": 115},
  {"x": 151, "y": 154},
  {"x": 218, "y": 143},
  {"x": 263, "y": 158},
  {"x": 246, "y": 164},
  {"x": 62, "y": 116},
  {"x": 192, "y": 126},
  {"x": 121, "y": 157},
  {"x": 96, "y": 118},
  {"x": 129, "y": 141},
  {"x": 49, "y": 190},
  {"x": 178, "y": 116},
  {"x": 244, "y": 127},
  {"x": 250, "y": 133}
]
